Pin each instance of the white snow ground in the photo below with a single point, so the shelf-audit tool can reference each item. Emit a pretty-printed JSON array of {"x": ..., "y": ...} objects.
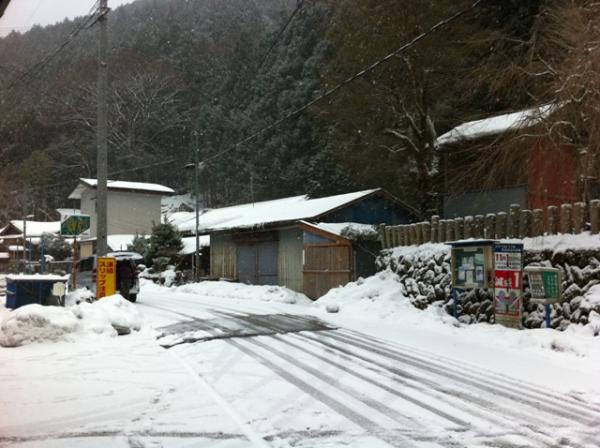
[{"x": 390, "y": 375}]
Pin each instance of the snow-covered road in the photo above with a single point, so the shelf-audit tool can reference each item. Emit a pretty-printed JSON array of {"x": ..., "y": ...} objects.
[{"x": 236, "y": 373}]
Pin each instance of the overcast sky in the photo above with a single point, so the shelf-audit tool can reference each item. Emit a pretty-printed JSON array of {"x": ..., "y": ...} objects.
[{"x": 22, "y": 14}]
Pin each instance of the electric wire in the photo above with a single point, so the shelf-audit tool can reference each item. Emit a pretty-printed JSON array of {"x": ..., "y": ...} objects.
[
  {"x": 285, "y": 26},
  {"x": 441, "y": 24},
  {"x": 35, "y": 69},
  {"x": 328, "y": 93}
]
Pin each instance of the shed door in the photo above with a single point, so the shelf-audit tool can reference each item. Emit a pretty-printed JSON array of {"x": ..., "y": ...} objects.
[
  {"x": 326, "y": 267},
  {"x": 257, "y": 263}
]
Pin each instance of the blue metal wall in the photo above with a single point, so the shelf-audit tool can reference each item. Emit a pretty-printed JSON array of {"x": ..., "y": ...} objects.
[{"x": 373, "y": 210}]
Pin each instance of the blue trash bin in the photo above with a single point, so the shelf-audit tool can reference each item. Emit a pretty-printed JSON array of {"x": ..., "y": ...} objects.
[{"x": 27, "y": 289}]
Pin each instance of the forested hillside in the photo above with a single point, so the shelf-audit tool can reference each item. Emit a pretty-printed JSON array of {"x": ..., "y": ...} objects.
[{"x": 226, "y": 69}]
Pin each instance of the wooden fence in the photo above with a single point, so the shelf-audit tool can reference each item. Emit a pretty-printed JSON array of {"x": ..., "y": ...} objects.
[{"x": 517, "y": 223}]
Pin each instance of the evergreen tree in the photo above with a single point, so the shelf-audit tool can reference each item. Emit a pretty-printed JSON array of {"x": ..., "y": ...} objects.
[
  {"x": 164, "y": 246},
  {"x": 56, "y": 246}
]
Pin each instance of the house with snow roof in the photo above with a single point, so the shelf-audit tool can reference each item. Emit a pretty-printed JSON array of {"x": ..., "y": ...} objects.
[
  {"x": 539, "y": 173},
  {"x": 307, "y": 244},
  {"x": 18, "y": 235},
  {"x": 132, "y": 208}
]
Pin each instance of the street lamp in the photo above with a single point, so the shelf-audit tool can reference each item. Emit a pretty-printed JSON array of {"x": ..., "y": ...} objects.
[
  {"x": 197, "y": 166},
  {"x": 25, "y": 265}
]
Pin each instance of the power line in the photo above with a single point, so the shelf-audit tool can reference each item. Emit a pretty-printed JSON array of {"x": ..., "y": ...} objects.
[
  {"x": 111, "y": 173},
  {"x": 441, "y": 24},
  {"x": 299, "y": 4},
  {"x": 37, "y": 67}
]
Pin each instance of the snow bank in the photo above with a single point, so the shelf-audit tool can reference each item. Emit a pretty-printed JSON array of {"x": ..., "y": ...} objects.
[
  {"x": 228, "y": 290},
  {"x": 381, "y": 296},
  {"x": 36, "y": 323},
  {"x": 559, "y": 243},
  {"x": 39, "y": 323}
]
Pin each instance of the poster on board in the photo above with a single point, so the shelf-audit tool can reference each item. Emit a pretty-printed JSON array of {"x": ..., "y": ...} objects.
[{"x": 508, "y": 284}]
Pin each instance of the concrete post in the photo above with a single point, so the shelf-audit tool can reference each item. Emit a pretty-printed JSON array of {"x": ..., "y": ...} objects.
[
  {"x": 489, "y": 230},
  {"x": 501, "y": 219},
  {"x": 427, "y": 232},
  {"x": 468, "y": 227},
  {"x": 566, "y": 218},
  {"x": 449, "y": 230},
  {"x": 478, "y": 224},
  {"x": 578, "y": 217},
  {"x": 525, "y": 224},
  {"x": 537, "y": 223},
  {"x": 459, "y": 224},
  {"x": 442, "y": 231}
]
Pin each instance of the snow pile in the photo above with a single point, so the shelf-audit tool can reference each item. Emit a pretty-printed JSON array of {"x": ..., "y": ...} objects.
[
  {"x": 109, "y": 316},
  {"x": 78, "y": 296},
  {"x": 382, "y": 296},
  {"x": 36, "y": 323},
  {"x": 267, "y": 293}
]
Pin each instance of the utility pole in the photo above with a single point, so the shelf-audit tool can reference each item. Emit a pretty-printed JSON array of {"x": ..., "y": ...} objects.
[
  {"x": 102, "y": 131},
  {"x": 196, "y": 179}
]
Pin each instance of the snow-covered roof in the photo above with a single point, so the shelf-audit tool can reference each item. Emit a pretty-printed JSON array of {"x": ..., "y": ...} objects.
[
  {"x": 37, "y": 228},
  {"x": 177, "y": 203},
  {"x": 256, "y": 214},
  {"x": 121, "y": 185},
  {"x": 4, "y": 255},
  {"x": 349, "y": 230},
  {"x": 119, "y": 242},
  {"x": 15, "y": 248},
  {"x": 499, "y": 124},
  {"x": 68, "y": 211},
  {"x": 189, "y": 244}
]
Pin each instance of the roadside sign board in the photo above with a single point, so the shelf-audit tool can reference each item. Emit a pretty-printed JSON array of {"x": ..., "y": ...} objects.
[
  {"x": 508, "y": 284},
  {"x": 75, "y": 225},
  {"x": 106, "y": 277},
  {"x": 545, "y": 284},
  {"x": 471, "y": 266}
]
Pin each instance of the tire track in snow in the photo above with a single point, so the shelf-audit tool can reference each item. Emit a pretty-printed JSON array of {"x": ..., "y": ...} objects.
[
  {"x": 379, "y": 384},
  {"x": 360, "y": 420},
  {"x": 379, "y": 406},
  {"x": 520, "y": 384},
  {"x": 449, "y": 397},
  {"x": 473, "y": 381}
]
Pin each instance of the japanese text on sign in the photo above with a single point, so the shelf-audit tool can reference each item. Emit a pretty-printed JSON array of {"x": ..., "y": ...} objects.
[
  {"x": 106, "y": 279},
  {"x": 508, "y": 284}
]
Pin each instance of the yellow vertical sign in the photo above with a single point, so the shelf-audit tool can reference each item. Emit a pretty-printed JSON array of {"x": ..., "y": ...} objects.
[{"x": 106, "y": 277}]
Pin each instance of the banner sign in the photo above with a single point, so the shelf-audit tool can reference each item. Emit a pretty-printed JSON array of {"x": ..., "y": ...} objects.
[
  {"x": 106, "y": 277},
  {"x": 508, "y": 284}
]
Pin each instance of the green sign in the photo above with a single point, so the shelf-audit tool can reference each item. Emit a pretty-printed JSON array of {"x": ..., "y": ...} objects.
[
  {"x": 75, "y": 225},
  {"x": 545, "y": 284}
]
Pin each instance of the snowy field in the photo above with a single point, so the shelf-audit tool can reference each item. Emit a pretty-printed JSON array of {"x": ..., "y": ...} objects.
[{"x": 226, "y": 365}]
